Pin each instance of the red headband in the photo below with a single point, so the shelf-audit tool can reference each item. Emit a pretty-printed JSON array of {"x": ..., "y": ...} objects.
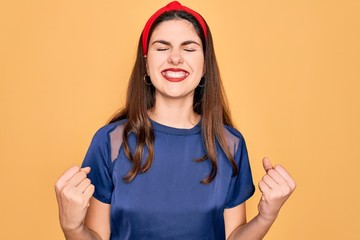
[{"x": 173, "y": 6}]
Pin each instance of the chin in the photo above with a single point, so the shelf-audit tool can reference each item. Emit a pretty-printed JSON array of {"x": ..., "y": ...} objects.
[{"x": 177, "y": 94}]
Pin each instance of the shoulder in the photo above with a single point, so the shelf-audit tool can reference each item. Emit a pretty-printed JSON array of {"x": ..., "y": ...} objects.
[
  {"x": 103, "y": 134},
  {"x": 233, "y": 137}
]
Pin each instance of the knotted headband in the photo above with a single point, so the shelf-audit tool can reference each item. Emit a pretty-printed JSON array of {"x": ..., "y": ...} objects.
[{"x": 173, "y": 6}]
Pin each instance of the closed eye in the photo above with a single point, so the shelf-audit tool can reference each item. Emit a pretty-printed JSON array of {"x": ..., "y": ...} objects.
[
  {"x": 162, "y": 49},
  {"x": 190, "y": 46}
]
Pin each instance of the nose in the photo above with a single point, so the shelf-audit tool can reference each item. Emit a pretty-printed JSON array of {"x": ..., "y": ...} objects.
[{"x": 175, "y": 57}]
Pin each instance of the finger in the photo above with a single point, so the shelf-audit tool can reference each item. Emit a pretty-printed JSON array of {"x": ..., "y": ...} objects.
[
  {"x": 89, "y": 191},
  {"x": 67, "y": 175},
  {"x": 85, "y": 169},
  {"x": 267, "y": 164},
  {"x": 269, "y": 182},
  {"x": 83, "y": 185},
  {"x": 264, "y": 188},
  {"x": 276, "y": 177},
  {"x": 285, "y": 175},
  {"x": 77, "y": 179}
]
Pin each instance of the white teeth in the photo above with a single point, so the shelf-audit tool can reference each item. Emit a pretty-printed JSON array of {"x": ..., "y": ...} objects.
[{"x": 170, "y": 74}]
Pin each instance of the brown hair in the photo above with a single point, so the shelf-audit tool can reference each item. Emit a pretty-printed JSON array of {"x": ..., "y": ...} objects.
[{"x": 209, "y": 101}]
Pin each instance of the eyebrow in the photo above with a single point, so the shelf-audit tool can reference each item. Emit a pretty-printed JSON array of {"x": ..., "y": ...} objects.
[{"x": 169, "y": 44}]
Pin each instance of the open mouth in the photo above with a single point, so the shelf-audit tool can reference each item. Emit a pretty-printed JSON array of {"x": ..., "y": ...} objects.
[{"x": 174, "y": 75}]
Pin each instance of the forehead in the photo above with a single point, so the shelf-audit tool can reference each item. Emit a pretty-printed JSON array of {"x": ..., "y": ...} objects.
[{"x": 176, "y": 29}]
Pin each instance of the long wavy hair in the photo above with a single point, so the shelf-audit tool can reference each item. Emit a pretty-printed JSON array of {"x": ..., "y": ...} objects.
[{"x": 209, "y": 102}]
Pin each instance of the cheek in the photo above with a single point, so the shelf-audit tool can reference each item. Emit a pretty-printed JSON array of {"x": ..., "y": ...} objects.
[
  {"x": 153, "y": 63},
  {"x": 150, "y": 66},
  {"x": 198, "y": 65},
  {"x": 152, "y": 69}
]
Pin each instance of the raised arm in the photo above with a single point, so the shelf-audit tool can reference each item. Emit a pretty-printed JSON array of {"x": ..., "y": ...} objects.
[
  {"x": 73, "y": 192},
  {"x": 276, "y": 187}
]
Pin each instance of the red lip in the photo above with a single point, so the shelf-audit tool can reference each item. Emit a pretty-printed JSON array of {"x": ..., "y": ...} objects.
[{"x": 170, "y": 74}]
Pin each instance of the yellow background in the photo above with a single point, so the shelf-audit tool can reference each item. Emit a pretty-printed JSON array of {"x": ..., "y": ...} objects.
[{"x": 291, "y": 72}]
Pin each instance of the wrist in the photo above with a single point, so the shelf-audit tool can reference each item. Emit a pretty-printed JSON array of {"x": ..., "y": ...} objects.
[
  {"x": 266, "y": 219},
  {"x": 72, "y": 232}
]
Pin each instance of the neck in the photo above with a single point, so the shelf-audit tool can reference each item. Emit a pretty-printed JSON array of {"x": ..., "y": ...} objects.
[{"x": 175, "y": 113}]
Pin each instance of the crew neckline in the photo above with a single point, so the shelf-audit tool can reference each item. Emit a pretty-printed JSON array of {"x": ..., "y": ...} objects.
[{"x": 176, "y": 131}]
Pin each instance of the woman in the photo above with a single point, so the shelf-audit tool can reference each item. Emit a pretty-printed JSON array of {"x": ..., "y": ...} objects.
[{"x": 170, "y": 165}]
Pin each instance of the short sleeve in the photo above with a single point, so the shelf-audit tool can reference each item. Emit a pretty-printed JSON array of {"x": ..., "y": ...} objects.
[
  {"x": 241, "y": 186},
  {"x": 98, "y": 159}
]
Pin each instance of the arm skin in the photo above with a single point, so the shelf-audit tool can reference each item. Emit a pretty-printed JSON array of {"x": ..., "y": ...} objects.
[
  {"x": 96, "y": 225},
  {"x": 98, "y": 218},
  {"x": 276, "y": 186},
  {"x": 82, "y": 217},
  {"x": 82, "y": 233},
  {"x": 255, "y": 229}
]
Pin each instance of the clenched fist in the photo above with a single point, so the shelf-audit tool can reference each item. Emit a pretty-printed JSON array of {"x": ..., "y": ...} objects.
[
  {"x": 276, "y": 187},
  {"x": 73, "y": 192}
]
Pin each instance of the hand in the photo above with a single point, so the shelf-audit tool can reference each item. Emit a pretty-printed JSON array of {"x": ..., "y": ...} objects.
[
  {"x": 276, "y": 187},
  {"x": 73, "y": 192}
]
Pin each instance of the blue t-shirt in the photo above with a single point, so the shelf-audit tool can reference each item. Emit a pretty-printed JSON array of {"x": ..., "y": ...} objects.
[{"x": 168, "y": 201}]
